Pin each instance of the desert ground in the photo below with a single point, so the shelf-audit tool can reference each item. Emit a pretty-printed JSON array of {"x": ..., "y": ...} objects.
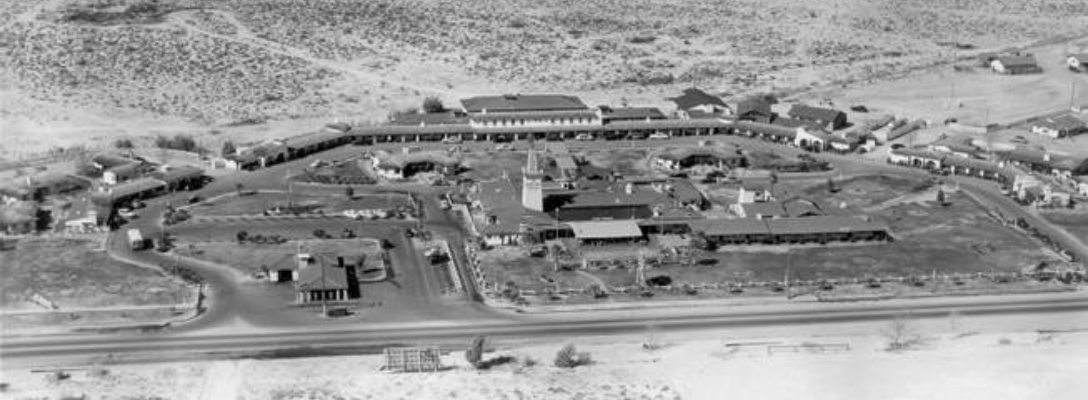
[
  {"x": 959, "y": 357},
  {"x": 83, "y": 72}
]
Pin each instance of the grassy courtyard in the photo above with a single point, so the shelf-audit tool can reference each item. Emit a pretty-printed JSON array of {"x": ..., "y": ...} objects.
[
  {"x": 1073, "y": 221},
  {"x": 253, "y": 204}
]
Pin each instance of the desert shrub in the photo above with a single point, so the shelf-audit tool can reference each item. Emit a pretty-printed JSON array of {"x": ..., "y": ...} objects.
[
  {"x": 57, "y": 376},
  {"x": 98, "y": 371},
  {"x": 901, "y": 334},
  {"x": 569, "y": 357}
]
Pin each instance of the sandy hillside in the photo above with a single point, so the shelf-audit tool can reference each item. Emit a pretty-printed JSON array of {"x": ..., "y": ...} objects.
[
  {"x": 96, "y": 69},
  {"x": 984, "y": 366}
]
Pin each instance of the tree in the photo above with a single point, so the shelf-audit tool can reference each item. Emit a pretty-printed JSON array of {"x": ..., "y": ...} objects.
[
  {"x": 228, "y": 149},
  {"x": 901, "y": 334},
  {"x": 831, "y": 185},
  {"x": 475, "y": 353},
  {"x": 242, "y": 236},
  {"x": 701, "y": 242},
  {"x": 433, "y": 104},
  {"x": 239, "y": 186},
  {"x": 123, "y": 143},
  {"x": 349, "y": 192},
  {"x": 941, "y": 197}
]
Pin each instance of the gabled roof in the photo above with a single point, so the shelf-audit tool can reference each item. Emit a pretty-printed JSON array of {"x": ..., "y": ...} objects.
[
  {"x": 796, "y": 123},
  {"x": 530, "y": 115},
  {"x": 823, "y": 224},
  {"x": 922, "y": 153},
  {"x": 313, "y": 138},
  {"x": 632, "y": 113},
  {"x": 693, "y": 97},
  {"x": 956, "y": 144},
  {"x": 322, "y": 274},
  {"x": 442, "y": 118},
  {"x": 500, "y": 200},
  {"x": 806, "y": 112},
  {"x": 1017, "y": 61},
  {"x": 726, "y": 227},
  {"x": 1062, "y": 123},
  {"x": 107, "y": 160},
  {"x": 802, "y": 208},
  {"x": 763, "y": 210},
  {"x": 767, "y": 129},
  {"x": 522, "y": 102},
  {"x": 754, "y": 105},
  {"x": 135, "y": 186},
  {"x": 175, "y": 174},
  {"x": 125, "y": 170},
  {"x": 625, "y": 228}
]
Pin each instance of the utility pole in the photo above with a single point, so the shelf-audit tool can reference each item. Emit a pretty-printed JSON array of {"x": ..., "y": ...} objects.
[
  {"x": 324, "y": 292},
  {"x": 1072, "y": 94}
]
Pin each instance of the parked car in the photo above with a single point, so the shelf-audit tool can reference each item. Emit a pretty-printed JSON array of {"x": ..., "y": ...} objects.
[
  {"x": 583, "y": 136},
  {"x": 659, "y": 136},
  {"x": 452, "y": 140},
  {"x": 444, "y": 204},
  {"x": 127, "y": 213},
  {"x": 502, "y": 147}
]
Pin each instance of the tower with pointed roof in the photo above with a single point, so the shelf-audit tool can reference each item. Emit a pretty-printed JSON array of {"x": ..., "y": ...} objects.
[{"x": 532, "y": 185}]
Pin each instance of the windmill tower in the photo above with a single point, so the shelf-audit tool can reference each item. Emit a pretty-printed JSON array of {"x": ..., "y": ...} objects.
[{"x": 532, "y": 190}]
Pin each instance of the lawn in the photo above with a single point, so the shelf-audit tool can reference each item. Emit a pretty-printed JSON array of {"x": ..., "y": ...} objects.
[
  {"x": 71, "y": 273},
  {"x": 492, "y": 165},
  {"x": 1074, "y": 222},
  {"x": 627, "y": 162},
  {"x": 861, "y": 193},
  {"x": 350, "y": 172},
  {"x": 504, "y": 264},
  {"x": 957, "y": 238},
  {"x": 252, "y": 204},
  {"x": 249, "y": 258}
]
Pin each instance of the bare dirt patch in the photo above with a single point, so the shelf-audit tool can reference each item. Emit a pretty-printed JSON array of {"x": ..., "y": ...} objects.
[{"x": 73, "y": 274}]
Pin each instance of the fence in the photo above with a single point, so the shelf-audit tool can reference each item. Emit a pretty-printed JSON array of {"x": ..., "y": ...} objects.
[
  {"x": 808, "y": 347},
  {"x": 412, "y": 359}
]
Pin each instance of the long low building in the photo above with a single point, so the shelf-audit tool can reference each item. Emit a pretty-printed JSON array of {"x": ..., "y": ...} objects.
[
  {"x": 816, "y": 229},
  {"x": 467, "y": 132},
  {"x": 952, "y": 164}
]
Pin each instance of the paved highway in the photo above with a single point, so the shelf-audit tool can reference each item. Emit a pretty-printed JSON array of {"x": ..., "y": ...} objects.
[{"x": 40, "y": 351}]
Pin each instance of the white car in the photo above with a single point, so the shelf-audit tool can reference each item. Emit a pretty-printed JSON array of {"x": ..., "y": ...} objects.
[
  {"x": 659, "y": 136},
  {"x": 452, "y": 139},
  {"x": 583, "y": 136}
]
